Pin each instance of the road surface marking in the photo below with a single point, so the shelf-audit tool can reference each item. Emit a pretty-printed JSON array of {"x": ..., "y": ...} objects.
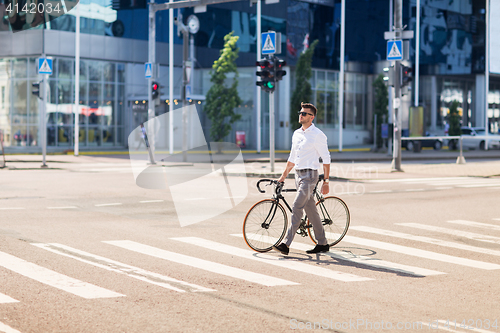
[
  {"x": 381, "y": 191},
  {"x": 470, "y": 235},
  {"x": 7, "y": 299},
  {"x": 420, "y": 253},
  {"x": 202, "y": 264},
  {"x": 148, "y": 201},
  {"x": 12, "y": 208},
  {"x": 68, "y": 207},
  {"x": 7, "y": 329},
  {"x": 415, "y": 180},
  {"x": 424, "y": 239},
  {"x": 118, "y": 267},
  {"x": 54, "y": 279},
  {"x": 478, "y": 185},
  {"x": 476, "y": 224},
  {"x": 272, "y": 260},
  {"x": 109, "y": 204},
  {"x": 364, "y": 260},
  {"x": 414, "y": 190},
  {"x": 444, "y": 188}
]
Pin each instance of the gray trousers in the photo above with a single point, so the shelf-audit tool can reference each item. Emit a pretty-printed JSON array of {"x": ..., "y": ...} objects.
[{"x": 305, "y": 180}]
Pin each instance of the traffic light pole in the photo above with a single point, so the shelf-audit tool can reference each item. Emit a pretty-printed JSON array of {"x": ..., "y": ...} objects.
[
  {"x": 43, "y": 118},
  {"x": 271, "y": 130},
  {"x": 398, "y": 26},
  {"x": 151, "y": 102}
]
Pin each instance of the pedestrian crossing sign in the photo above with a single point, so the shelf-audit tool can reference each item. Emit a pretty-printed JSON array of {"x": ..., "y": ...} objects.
[
  {"x": 148, "y": 72},
  {"x": 269, "y": 42},
  {"x": 44, "y": 66},
  {"x": 394, "y": 50}
]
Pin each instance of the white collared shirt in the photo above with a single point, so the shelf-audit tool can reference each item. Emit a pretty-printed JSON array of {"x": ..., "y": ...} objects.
[{"x": 307, "y": 147}]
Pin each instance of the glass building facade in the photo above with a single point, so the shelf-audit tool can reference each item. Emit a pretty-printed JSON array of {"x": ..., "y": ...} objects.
[{"x": 113, "y": 90}]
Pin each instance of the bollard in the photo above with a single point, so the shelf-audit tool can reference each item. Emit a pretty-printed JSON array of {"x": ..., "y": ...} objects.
[{"x": 461, "y": 158}]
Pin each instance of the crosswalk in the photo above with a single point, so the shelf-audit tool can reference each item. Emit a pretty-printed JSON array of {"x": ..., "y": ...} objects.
[
  {"x": 443, "y": 182},
  {"x": 444, "y": 249}
]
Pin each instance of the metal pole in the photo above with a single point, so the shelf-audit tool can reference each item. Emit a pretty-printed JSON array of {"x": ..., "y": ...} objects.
[
  {"x": 271, "y": 130},
  {"x": 43, "y": 120},
  {"x": 191, "y": 83},
  {"x": 487, "y": 72},
  {"x": 391, "y": 118},
  {"x": 341, "y": 77},
  {"x": 171, "y": 79},
  {"x": 398, "y": 26},
  {"x": 185, "y": 50},
  {"x": 258, "y": 99},
  {"x": 152, "y": 59},
  {"x": 417, "y": 55},
  {"x": 77, "y": 82}
]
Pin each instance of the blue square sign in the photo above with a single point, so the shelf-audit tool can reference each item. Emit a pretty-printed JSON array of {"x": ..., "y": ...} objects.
[
  {"x": 394, "y": 50},
  {"x": 148, "y": 72},
  {"x": 44, "y": 66},
  {"x": 268, "y": 42}
]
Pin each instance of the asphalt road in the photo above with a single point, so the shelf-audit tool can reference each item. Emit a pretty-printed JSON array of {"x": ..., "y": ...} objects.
[{"x": 84, "y": 249}]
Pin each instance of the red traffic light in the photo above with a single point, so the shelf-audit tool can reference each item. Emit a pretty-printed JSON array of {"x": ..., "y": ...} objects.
[{"x": 155, "y": 87}]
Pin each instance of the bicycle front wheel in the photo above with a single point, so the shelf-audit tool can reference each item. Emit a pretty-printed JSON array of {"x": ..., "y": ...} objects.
[
  {"x": 335, "y": 218},
  {"x": 265, "y": 225}
]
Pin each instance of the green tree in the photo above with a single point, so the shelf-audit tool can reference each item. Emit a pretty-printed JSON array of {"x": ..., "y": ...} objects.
[
  {"x": 380, "y": 106},
  {"x": 223, "y": 96},
  {"x": 303, "y": 90}
]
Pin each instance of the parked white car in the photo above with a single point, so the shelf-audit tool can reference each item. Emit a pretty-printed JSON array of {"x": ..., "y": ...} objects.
[{"x": 474, "y": 138}]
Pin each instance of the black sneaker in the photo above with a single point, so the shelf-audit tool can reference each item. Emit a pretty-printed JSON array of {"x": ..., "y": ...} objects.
[
  {"x": 282, "y": 248},
  {"x": 319, "y": 248}
]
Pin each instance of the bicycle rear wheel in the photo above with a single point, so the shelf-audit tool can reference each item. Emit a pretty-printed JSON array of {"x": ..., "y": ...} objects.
[
  {"x": 265, "y": 225},
  {"x": 335, "y": 217}
]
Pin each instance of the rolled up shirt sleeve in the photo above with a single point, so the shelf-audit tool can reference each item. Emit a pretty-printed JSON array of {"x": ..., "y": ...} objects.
[
  {"x": 293, "y": 155},
  {"x": 322, "y": 148}
]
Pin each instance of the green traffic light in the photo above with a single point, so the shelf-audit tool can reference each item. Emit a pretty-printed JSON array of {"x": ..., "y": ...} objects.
[{"x": 269, "y": 85}]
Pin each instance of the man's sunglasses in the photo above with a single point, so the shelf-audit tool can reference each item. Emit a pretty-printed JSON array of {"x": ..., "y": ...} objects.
[{"x": 303, "y": 114}]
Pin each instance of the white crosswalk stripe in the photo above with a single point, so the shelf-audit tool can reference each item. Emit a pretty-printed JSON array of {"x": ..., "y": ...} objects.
[
  {"x": 477, "y": 224},
  {"x": 271, "y": 260},
  {"x": 201, "y": 264},
  {"x": 420, "y": 253},
  {"x": 118, "y": 267},
  {"x": 54, "y": 279},
  {"x": 7, "y": 299},
  {"x": 7, "y": 329},
  {"x": 425, "y": 239},
  {"x": 365, "y": 260},
  {"x": 470, "y": 235},
  {"x": 443, "y": 181}
]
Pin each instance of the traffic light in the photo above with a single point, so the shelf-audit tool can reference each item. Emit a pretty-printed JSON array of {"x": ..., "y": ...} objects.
[
  {"x": 389, "y": 75},
  {"x": 36, "y": 89},
  {"x": 155, "y": 90},
  {"x": 279, "y": 64},
  {"x": 406, "y": 76},
  {"x": 266, "y": 73}
]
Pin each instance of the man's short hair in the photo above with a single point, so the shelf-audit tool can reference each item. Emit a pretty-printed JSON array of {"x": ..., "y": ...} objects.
[{"x": 310, "y": 107}]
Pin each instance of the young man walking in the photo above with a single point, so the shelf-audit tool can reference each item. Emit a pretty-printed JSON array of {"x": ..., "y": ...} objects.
[{"x": 309, "y": 143}]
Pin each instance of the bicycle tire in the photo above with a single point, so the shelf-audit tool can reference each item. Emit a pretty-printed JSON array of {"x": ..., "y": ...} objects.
[
  {"x": 335, "y": 217},
  {"x": 258, "y": 237}
]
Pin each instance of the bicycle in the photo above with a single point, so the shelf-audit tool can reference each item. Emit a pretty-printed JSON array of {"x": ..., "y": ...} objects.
[{"x": 266, "y": 222}]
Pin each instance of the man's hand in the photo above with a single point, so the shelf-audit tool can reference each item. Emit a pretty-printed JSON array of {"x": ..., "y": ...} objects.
[
  {"x": 282, "y": 179},
  {"x": 325, "y": 189}
]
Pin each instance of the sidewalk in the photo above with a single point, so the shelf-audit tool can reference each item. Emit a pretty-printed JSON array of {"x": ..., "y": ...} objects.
[{"x": 349, "y": 164}]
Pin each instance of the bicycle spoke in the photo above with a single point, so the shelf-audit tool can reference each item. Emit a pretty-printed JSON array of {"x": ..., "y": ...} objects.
[
  {"x": 265, "y": 220},
  {"x": 335, "y": 217}
]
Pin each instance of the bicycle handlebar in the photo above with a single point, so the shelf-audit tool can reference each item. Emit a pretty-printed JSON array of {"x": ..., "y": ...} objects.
[{"x": 279, "y": 186}]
